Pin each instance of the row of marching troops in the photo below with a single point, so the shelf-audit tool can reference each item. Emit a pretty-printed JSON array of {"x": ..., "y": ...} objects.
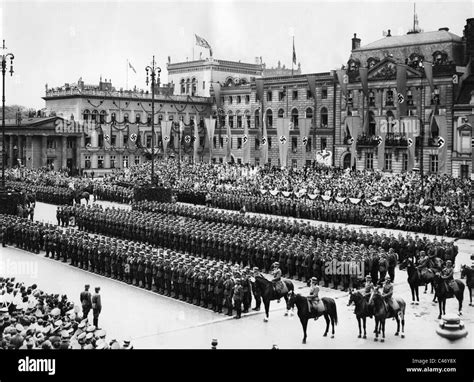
[
  {"x": 46, "y": 194},
  {"x": 404, "y": 246},
  {"x": 300, "y": 256},
  {"x": 207, "y": 283}
]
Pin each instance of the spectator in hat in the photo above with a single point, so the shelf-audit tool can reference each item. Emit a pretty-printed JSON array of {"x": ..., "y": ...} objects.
[{"x": 96, "y": 306}]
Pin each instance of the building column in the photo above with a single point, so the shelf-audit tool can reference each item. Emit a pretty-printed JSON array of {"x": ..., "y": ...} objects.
[
  {"x": 29, "y": 152},
  {"x": 20, "y": 148},
  {"x": 44, "y": 150},
  {"x": 106, "y": 161},
  {"x": 63, "y": 151},
  {"x": 77, "y": 152}
]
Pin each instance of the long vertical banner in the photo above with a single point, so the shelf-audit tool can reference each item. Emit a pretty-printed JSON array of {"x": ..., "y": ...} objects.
[
  {"x": 410, "y": 127},
  {"x": 264, "y": 144},
  {"x": 401, "y": 90},
  {"x": 166, "y": 128},
  {"x": 211, "y": 127},
  {"x": 133, "y": 134},
  {"x": 352, "y": 125},
  {"x": 442, "y": 138},
  {"x": 229, "y": 145},
  {"x": 304, "y": 127},
  {"x": 283, "y": 137},
  {"x": 196, "y": 141},
  {"x": 381, "y": 132},
  {"x": 246, "y": 144}
]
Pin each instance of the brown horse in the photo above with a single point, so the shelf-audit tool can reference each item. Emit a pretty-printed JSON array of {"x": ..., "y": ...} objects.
[
  {"x": 468, "y": 273},
  {"x": 304, "y": 314},
  {"x": 381, "y": 313},
  {"x": 443, "y": 293}
]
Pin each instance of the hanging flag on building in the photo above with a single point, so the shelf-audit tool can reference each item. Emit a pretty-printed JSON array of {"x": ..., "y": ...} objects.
[
  {"x": 294, "y": 51},
  {"x": 264, "y": 143},
  {"x": 210, "y": 126},
  {"x": 228, "y": 140},
  {"x": 401, "y": 90},
  {"x": 202, "y": 42},
  {"x": 166, "y": 128},
  {"x": 283, "y": 136},
  {"x": 197, "y": 140},
  {"x": 131, "y": 67},
  {"x": 429, "y": 74},
  {"x": 363, "y": 73},
  {"x": 343, "y": 80},
  {"x": 246, "y": 144}
]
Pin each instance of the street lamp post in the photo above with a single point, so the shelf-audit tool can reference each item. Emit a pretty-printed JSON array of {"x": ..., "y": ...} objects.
[
  {"x": 154, "y": 72},
  {"x": 5, "y": 57}
]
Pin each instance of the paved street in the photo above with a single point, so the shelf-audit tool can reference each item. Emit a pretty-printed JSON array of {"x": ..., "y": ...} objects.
[{"x": 155, "y": 321}]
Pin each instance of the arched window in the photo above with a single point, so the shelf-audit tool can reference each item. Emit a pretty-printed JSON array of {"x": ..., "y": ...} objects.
[
  {"x": 113, "y": 117},
  {"x": 281, "y": 113},
  {"x": 183, "y": 88},
  {"x": 390, "y": 120},
  {"x": 372, "y": 124},
  {"x": 125, "y": 118},
  {"x": 231, "y": 119},
  {"x": 347, "y": 161},
  {"x": 137, "y": 118},
  {"x": 102, "y": 116},
  {"x": 269, "y": 118},
  {"x": 194, "y": 87},
  {"x": 309, "y": 113},
  {"x": 257, "y": 119},
  {"x": 86, "y": 115},
  {"x": 294, "y": 117},
  {"x": 324, "y": 118},
  {"x": 95, "y": 113}
]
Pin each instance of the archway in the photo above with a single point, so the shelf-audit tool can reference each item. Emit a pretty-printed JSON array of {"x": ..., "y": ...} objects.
[{"x": 346, "y": 161}]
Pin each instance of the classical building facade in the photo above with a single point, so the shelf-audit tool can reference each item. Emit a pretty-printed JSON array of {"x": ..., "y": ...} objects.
[{"x": 227, "y": 92}]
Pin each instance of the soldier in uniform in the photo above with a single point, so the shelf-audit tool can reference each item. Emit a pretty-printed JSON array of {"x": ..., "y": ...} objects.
[
  {"x": 218, "y": 291},
  {"x": 238, "y": 296},
  {"x": 246, "y": 287},
  {"x": 228, "y": 292},
  {"x": 447, "y": 275},
  {"x": 387, "y": 294}
]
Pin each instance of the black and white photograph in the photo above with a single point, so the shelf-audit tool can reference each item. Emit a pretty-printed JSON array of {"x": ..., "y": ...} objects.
[{"x": 237, "y": 175}]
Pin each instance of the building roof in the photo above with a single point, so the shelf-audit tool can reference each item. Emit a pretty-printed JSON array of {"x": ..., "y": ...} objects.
[
  {"x": 423, "y": 38},
  {"x": 29, "y": 122}
]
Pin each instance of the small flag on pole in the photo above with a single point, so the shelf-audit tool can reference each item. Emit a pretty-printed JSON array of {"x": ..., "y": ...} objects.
[{"x": 131, "y": 67}]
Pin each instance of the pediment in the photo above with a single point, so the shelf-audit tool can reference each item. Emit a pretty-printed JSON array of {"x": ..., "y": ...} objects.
[{"x": 387, "y": 70}]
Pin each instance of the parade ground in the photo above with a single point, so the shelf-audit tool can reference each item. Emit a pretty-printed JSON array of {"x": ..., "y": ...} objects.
[{"x": 153, "y": 321}]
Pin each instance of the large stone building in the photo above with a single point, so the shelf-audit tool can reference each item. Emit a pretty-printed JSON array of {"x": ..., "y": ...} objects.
[{"x": 227, "y": 92}]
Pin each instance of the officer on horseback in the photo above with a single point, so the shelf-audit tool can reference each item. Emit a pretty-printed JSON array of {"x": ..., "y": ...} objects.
[
  {"x": 387, "y": 294},
  {"x": 313, "y": 297},
  {"x": 368, "y": 287},
  {"x": 277, "y": 283},
  {"x": 422, "y": 263},
  {"x": 447, "y": 275}
]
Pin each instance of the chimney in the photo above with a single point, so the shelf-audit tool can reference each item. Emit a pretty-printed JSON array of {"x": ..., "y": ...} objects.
[
  {"x": 355, "y": 42},
  {"x": 388, "y": 33}
]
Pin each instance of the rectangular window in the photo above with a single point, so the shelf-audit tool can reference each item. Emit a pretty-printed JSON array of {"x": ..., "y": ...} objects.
[
  {"x": 203, "y": 85},
  {"x": 148, "y": 141},
  {"x": 434, "y": 163},
  {"x": 201, "y": 141},
  {"x": 87, "y": 161},
  {"x": 294, "y": 163},
  {"x": 239, "y": 99},
  {"x": 137, "y": 159},
  {"x": 113, "y": 140},
  {"x": 70, "y": 143},
  {"x": 405, "y": 162},
  {"x": 269, "y": 141},
  {"x": 230, "y": 100},
  {"x": 231, "y": 121},
  {"x": 101, "y": 140},
  {"x": 221, "y": 142},
  {"x": 239, "y": 121},
  {"x": 239, "y": 143},
  {"x": 257, "y": 144},
  {"x": 389, "y": 99},
  {"x": 213, "y": 160},
  {"x": 239, "y": 160},
  {"x": 324, "y": 143},
  {"x": 369, "y": 161},
  {"x": 50, "y": 143},
  {"x": 295, "y": 94},
  {"x": 112, "y": 161},
  {"x": 247, "y": 99},
  {"x": 221, "y": 160},
  {"x": 214, "y": 142},
  {"x": 294, "y": 144},
  {"x": 100, "y": 161},
  {"x": 388, "y": 161},
  {"x": 309, "y": 144},
  {"x": 125, "y": 161},
  {"x": 87, "y": 141},
  {"x": 125, "y": 140},
  {"x": 281, "y": 95},
  {"x": 324, "y": 93},
  {"x": 308, "y": 94},
  {"x": 269, "y": 96},
  {"x": 248, "y": 120}
]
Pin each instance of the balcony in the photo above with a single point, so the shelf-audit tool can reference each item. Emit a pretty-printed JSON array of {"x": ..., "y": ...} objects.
[
  {"x": 365, "y": 140},
  {"x": 396, "y": 140}
]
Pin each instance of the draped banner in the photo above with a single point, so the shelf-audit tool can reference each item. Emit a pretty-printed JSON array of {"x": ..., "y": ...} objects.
[
  {"x": 340, "y": 199},
  {"x": 246, "y": 144},
  {"x": 401, "y": 90},
  {"x": 304, "y": 125},
  {"x": 166, "y": 128},
  {"x": 354, "y": 200},
  {"x": 312, "y": 85},
  {"x": 259, "y": 84},
  {"x": 411, "y": 127},
  {"x": 286, "y": 193},
  {"x": 363, "y": 73},
  {"x": 343, "y": 80},
  {"x": 441, "y": 142},
  {"x": 429, "y": 74},
  {"x": 133, "y": 135},
  {"x": 216, "y": 86},
  {"x": 283, "y": 137},
  {"x": 274, "y": 192},
  {"x": 352, "y": 129},
  {"x": 387, "y": 204},
  {"x": 264, "y": 144},
  {"x": 107, "y": 136},
  {"x": 381, "y": 132},
  {"x": 228, "y": 139},
  {"x": 196, "y": 142},
  {"x": 211, "y": 127}
]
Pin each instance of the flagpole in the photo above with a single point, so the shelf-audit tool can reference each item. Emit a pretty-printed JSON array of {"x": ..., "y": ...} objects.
[
  {"x": 126, "y": 84},
  {"x": 292, "y": 55}
]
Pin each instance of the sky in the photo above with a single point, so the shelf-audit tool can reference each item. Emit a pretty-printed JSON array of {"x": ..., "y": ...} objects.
[{"x": 59, "y": 42}]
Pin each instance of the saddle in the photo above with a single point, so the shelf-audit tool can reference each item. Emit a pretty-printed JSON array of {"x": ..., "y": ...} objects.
[
  {"x": 451, "y": 288},
  {"x": 317, "y": 308},
  {"x": 280, "y": 288}
]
